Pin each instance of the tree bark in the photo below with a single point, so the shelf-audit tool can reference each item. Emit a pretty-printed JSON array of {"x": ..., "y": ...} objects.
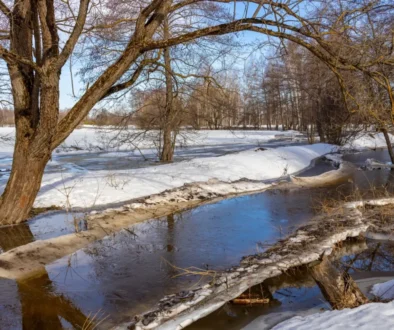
[
  {"x": 167, "y": 152},
  {"x": 35, "y": 90},
  {"x": 389, "y": 145},
  {"x": 22, "y": 186},
  {"x": 33, "y": 147},
  {"x": 42, "y": 309},
  {"x": 339, "y": 289}
]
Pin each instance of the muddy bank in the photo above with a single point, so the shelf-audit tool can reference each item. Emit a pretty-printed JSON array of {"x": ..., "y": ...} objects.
[{"x": 295, "y": 293}]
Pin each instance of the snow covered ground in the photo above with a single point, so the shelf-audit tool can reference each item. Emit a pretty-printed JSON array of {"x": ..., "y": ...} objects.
[
  {"x": 368, "y": 141},
  {"x": 66, "y": 183},
  {"x": 81, "y": 188},
  {"x": 384, "y": 290},
  {"x": 96, "y": 139},
  {"x": 370, "y": 316}
]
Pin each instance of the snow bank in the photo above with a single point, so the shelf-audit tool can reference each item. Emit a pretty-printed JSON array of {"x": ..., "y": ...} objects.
[
  {"x": 89, "y": 188},
  {"x": 368, "y": 141},
  {"x": 371, "y": 316},
  {"x": 328, "y": 178},
  {"x": 384, "y": 290},
  {"x": 372, "y": 164},
  {"x": 103, "y": 187}
]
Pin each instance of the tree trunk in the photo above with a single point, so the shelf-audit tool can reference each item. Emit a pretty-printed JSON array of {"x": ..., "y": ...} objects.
[
  {"x": 339, "y": 289},
  {"x": 389, "y": 146},
  {"x": 34, "y": 135},
  {"x": 22, "y": 186},
  {"x": 35, "y": 90},
  {"x": 167, "y": 152}
]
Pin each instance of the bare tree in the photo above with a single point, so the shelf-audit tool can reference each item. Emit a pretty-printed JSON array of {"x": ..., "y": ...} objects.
[{"x": 35, "y": 56}]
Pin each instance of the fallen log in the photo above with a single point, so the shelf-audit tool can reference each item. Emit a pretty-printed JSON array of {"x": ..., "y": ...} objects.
[
  {"x": 256, "y": 295},
  {"x": 250, "y": 301}
]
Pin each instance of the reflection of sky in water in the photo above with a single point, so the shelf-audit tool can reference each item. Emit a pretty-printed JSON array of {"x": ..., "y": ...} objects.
[
  {"x": 42, "y": 227},
  {"x": 49, "y": 226}
]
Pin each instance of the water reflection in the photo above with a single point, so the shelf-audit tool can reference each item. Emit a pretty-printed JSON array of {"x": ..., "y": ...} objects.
[
  {"x": 379, "y": 257},
  {"x": 129, "y": 272},
  {"x": 13, "y": 236},
  {"x": 43, "y": 309},
  {"x": 42, "y": 227},
  {"x": 40, "y": 308}
]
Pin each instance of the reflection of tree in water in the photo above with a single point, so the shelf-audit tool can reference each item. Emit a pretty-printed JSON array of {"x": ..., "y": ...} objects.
[
  {"x": 379, "y": 256},
  {"x": 149, "y": 246},
  {"x": 41, "y": 308},
  {"x": 170, "y": 232},
  {"x": 14, "y": 236}
]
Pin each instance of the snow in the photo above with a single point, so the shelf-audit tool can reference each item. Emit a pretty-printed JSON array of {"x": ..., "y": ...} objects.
[
  {"x": 93, "y": 139},
  {"x": 82, "y": 188},
  {"x": 372, "y": 164},
  {"x": 75, "y": 186},
  {"x": 368, "y": 141},
  {"x": 335, "y": 158},
  {"x": 69, "y": 185},
  {"x": 384, "y": 290},
  {"x": 370, "y": 316}
]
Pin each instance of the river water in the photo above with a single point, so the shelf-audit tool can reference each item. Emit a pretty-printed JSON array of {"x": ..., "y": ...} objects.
[{"x": 129, "y": 272}]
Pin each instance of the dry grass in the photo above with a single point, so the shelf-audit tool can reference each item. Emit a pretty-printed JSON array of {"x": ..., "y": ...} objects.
[
  {"x": 193, "y": 271},
  {"x": 94, "y": 320},
  {"x": 39, "y": 210}
]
